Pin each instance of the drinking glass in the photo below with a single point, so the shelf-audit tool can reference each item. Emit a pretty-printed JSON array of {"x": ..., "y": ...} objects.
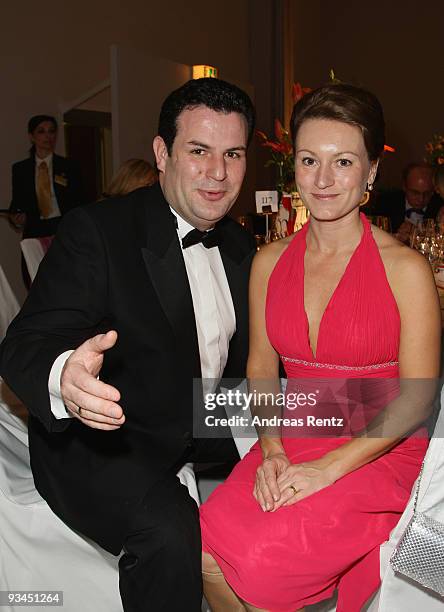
[{"x": 383, "y": 223}]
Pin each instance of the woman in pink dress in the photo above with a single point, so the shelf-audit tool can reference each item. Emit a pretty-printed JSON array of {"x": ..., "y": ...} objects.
[{"x": 340, "y": 302}]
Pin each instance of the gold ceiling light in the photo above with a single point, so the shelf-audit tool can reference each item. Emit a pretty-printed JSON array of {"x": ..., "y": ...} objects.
[{"x": 201, "y": 70}]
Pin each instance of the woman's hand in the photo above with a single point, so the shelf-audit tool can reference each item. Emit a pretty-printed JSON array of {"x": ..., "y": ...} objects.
[
  {"x": 266, "y": 489},
  {"x": 303, "y": 479}
]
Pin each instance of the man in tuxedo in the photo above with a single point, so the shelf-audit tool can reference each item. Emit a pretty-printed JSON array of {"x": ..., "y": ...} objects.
[
  {"x": 138, "y": 296},
  {"x": 414, "y": 203}
]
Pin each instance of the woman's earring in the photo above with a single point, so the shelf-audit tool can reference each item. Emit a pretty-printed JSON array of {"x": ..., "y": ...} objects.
[{"x": 366, "y": 196}]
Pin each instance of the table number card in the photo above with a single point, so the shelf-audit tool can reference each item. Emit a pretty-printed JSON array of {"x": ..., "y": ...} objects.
[{"x": 266, "y": 201}]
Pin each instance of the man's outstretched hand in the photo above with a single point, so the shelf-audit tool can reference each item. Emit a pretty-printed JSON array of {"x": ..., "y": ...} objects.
[{"x": 88, "y": 399}]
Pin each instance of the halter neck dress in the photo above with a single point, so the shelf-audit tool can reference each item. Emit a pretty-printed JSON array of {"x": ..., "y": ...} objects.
[{"x": 281, "y": 561}]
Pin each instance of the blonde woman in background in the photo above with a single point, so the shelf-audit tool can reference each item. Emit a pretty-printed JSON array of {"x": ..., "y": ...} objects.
[{"x": 132, "y": 174}]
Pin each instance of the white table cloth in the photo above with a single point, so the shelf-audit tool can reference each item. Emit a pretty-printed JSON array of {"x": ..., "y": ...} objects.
[{"x": 33, "y": 253}]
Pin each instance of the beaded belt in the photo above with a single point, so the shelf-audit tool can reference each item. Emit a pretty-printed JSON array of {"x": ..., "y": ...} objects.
[{"x": 332, "y": 366}]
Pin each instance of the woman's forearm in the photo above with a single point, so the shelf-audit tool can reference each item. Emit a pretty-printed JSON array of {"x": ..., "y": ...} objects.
[
  {"x": 396, "y": 421},
  {"x": 266, "y": 390},
  {"x": 354, "y": 454},
  {"x": 271, "y": 446}
]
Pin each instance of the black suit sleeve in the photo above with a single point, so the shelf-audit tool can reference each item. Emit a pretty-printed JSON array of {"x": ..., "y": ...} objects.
[
  {"x": 66, "y": 306},
  {"x": 19, "y": 201}
]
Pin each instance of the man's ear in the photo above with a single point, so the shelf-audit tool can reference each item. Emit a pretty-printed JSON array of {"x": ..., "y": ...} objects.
[{"x": 160, "y": 153}]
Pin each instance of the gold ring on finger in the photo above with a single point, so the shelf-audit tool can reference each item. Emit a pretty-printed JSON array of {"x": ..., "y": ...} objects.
[
  {"x": 80, "y": 413},
  {"x": 293, "y": 488}
]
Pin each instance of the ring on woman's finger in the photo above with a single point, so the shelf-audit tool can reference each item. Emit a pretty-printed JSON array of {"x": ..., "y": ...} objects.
[
  {"x": 80, "y": 410},
  {"x": 295, "y": 491}
]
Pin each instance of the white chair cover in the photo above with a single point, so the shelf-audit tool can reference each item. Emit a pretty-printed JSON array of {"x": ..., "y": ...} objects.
[
  {"x": 9, "y": 305},
  {"x": 37, "y": 550},
  {"x": 33, "y": 253},
  {"x": 396, "y": 592}
]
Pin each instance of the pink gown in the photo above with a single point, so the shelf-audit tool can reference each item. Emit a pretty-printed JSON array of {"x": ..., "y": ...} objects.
[{"x": 297, "y": 556}]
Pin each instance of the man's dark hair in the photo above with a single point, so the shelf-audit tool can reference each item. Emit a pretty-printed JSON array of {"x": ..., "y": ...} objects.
[
  {"x": 348, "y": 104},
  {"x": 38, "y": 119},
  {"x": 215, "y": 94}
]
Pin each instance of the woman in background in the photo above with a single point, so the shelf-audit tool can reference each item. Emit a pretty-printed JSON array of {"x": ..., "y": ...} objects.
[
  {"x": 131, "y": 175},
  {"x": 45, "y": 185}
]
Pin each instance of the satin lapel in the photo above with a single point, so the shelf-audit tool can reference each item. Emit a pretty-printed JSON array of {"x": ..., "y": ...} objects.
[
  {"x": 236, "y": 257},
  {"x": 237, "y": 262},
  {"x": 165, "y": 265},
  {"x": 236, "y": 275}
]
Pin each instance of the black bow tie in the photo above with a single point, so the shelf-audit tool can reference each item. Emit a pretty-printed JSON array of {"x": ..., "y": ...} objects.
[
  {"x": 418, "y": 211},
  {"x": 208, "y": 239}
]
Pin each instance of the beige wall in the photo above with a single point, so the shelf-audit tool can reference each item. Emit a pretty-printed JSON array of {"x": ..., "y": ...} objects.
[
  {"x": 136, "y": 102},
  {"x": 393, "y": 48},
  {"x": 52, "y": 52}
]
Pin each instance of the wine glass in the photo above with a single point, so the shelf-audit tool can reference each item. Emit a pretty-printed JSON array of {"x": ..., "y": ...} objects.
[{"x": 418, "y": 231}]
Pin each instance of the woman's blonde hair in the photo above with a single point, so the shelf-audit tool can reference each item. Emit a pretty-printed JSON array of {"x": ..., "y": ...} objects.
[{"x": 131, "y": 175}]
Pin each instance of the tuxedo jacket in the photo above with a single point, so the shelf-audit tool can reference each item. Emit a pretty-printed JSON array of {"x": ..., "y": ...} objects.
[
  {"x": 118, "y": 264},
  {"x": 392, "y": 204},
  {"x": 67, "y": 188}
]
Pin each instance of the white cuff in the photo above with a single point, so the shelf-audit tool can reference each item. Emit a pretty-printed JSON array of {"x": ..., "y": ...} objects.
[{"x": 58, "y": 407}]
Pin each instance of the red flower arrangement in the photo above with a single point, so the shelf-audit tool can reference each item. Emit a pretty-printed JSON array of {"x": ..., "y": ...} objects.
[
  {"x": 281, "y": 148},
  {"x": 435, "y": 150}
]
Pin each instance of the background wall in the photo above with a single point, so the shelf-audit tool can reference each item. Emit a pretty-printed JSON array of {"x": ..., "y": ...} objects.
[
  {"x": 395, "y": 49},
  {"x": 136, "y": 102},
  {"x": 51, "y": 53}
]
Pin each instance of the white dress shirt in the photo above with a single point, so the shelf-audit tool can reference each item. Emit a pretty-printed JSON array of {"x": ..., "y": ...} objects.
[
  {"x": 212, "y": 302},
  {"x": 414, "y": 218},
  {"x": 55, "y": 210},
  {"x": 213, "y": 310}
]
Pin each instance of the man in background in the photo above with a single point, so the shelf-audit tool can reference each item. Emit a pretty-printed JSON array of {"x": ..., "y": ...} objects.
[{"x": 414, "y": 203}]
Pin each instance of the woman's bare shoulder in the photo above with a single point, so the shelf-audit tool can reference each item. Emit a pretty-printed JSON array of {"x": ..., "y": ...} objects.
[
  {"x": 404, "y": 266},
  {"x": 384, "y": 239},
  {"x": 394, "y": 253},
  {"x": 267, "y": 256}
]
